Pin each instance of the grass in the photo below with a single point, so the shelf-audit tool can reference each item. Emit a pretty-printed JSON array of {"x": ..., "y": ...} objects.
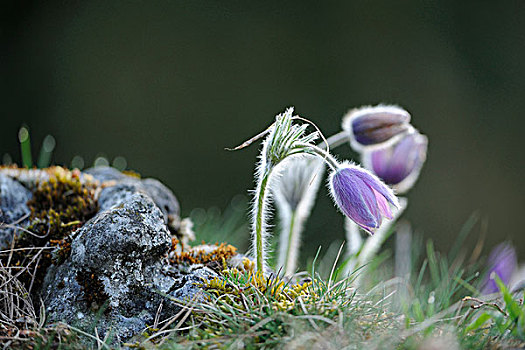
[
  {"x": 413, "y": 298},
  {"x": 435, "y": 303},
  {"x": 432, "y": 301}
]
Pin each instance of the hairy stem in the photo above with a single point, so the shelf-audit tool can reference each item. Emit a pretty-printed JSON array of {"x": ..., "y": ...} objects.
[
  {"x": 335, "y": 140},
  {"x": 288, "y": 245},
  {"x": 373, "y": 243},
  {"x": 327, "y": 157},
  {"x": 354, "y": 242},
  {"x": 260, "y": 220},
  {"x": 289, "y": 265}
]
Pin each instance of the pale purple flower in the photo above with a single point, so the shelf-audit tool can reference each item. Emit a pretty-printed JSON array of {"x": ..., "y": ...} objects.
[
  {"x": 368, "y": 126},
  {"x": 362, "y": 196},
  {"x": 502, "y": 262},
  {"x": 398, "y": 164}
]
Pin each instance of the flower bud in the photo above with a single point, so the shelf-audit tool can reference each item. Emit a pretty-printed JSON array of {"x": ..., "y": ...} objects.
[
  {"x": 398, "y": 164},
  {"x": 362, "y": 196},
  {"x": 368, "y": 126}
]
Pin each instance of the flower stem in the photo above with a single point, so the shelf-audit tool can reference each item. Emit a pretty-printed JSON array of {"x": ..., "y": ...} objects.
[
  {"x": 335, "y": 140},
  {"x": 260, "y": 220},
  {"x": 289, "y": 241},
  {"x": 354, "y": 242},
  {"x": 288, "y": 265},
  {"x": 327, "y": 157},
  {"x": 373, "y": 243}
]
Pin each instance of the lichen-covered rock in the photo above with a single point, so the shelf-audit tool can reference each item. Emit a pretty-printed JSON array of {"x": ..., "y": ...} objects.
[
  {"x": 13, "y": 207},
  {"x": 119, "y": 193},
  {"x": 119, "y": 262},
  {"x": 132, "y": 234},
  {"x": 115, "y": 247},
  {"x": 119, "y": 186},
  {"x": 163, "y": 197},
  {"x": 30, "y": 178}
]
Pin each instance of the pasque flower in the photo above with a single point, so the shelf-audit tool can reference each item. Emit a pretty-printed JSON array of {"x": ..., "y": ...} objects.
[
  {"x": 368, "y": 126},
  {"x": 362, "y": 196},
  {"x": 502, "y": 262},
  {"x": 359, "y": 194},
  {"x": 282, "y": 140},
  {"x": 398, "y": 164}
]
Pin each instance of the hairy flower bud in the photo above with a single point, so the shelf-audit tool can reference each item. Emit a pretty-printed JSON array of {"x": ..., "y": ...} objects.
[
  {"x": 368, "y": 126},
  {"x": 362, "y": 196},
  {"x": 398, "y": 164}
]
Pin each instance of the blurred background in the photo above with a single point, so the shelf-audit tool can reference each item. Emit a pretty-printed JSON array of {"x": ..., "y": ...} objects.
[{"x": 168, "y": 84}]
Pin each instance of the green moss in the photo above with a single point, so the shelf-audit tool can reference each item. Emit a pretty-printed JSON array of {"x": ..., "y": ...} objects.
[
  {"x": 58, "y": 207},
  {"x": 280, "y": 295}
]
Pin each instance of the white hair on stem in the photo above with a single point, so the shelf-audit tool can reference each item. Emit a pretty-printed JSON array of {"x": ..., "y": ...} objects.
[{"x": 261, "y": 201}]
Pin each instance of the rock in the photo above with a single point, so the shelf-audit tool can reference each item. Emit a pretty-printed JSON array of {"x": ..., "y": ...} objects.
[
  {"x": 119, "y": 187},
  {"x": 163, "y": 198},
  {"x": 13, "y": 208},
  {"x": 188, "y": 279},
  {"x": 30, "y": 178},
  {"x": 106, "y": 173},
  {"x": 125, "y": 185},
  {"x": 114, "y": 270},
  {"x": 118, "y": 194},
  {"x": 119, "y": 262}
]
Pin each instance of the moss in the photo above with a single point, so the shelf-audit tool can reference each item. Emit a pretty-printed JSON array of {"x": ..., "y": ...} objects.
[
  {"x": 131, "y": 173},
  {"x": 282, "y": 295},
  {"x": 242, "y": 279},
  {"x": 213, "y": 258},
  {"x": 58, "y": 207},
  {"x": 62, "y": 204}
]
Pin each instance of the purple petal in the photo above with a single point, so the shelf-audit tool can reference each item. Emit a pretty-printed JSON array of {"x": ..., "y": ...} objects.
[
  {"x": 361, "y": 196},
  {"x": 355, "y": 199},
  {"x": 377, "y": 185},
  {"x": 375, "y": 125},
  {"x": 400, "y": 161},
  {"x": 380, "y": 162},
  {"x": 405, "y": 156},
  {"x": 502, "y": 262},
  {"x": 383, "y": 205}
]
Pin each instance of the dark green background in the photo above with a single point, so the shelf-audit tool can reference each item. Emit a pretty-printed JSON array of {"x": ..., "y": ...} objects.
[{"x": 169, "y": 84}]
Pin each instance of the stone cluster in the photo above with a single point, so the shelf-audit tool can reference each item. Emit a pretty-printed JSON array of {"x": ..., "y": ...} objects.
[{"x": 119, "y": 273}]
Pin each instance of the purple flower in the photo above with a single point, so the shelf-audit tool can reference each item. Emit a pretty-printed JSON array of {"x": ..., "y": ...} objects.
[
  {"x": 362, "y": 196},
  {"x": 502, "y": 262},
  {"x": 399, "y": 164},
  {"x": 369, "y": 126}
]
